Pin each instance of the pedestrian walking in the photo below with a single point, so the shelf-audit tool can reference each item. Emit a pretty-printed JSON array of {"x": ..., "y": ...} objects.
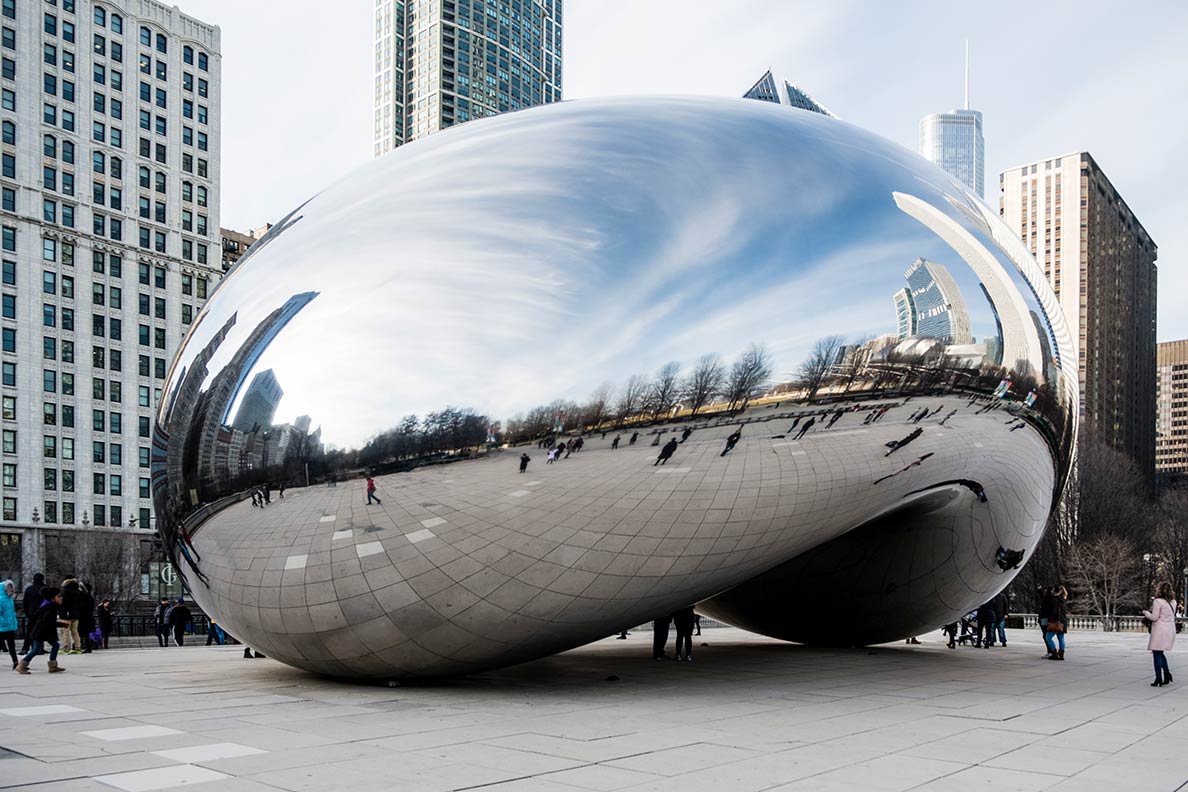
[
  {"x": 1002, "y": 605},
  {"x": 255, "y": 498},
  {"x": 807, "y": 425},
  {"x": 551, "y": 456},
  {"x": 30, "y": 602},
  {"x": 371, "y": 491},
  {"x": 69, "y": 612},
  {"x": 683, "y": 620},
  {"x": 8, "y": 620},
  {"x": 1052, "y": 609},
  {"x": 86, "y": 617},
  {"x": 732, "y": 441},
  {"x": 615, "y": 442},
  {"x": 162, "y": 625},
  {"x": 280, "y": 491},
  {"x": 697, "y": 623},
  {"x": 214, "y": 633},
  {"x": 660, "y": 637},
  {"x": 1162, "y": 618},
  {"x": 179, "y": 618},
  {"x": 666, "y": 452},
  {"x": 44, "y": 631},
  {"x": 104, "y": 620},
  {"x": 634, "y": 437},
  {"x": 524, "y": 460},
  {"x": 985, "y": 625}
]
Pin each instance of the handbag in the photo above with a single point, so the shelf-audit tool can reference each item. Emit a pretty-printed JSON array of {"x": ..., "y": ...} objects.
[{"x": 1055, "y": 626}]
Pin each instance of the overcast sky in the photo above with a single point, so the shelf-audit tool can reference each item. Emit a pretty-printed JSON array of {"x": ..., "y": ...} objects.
[{"x": 1049, "y": 77}]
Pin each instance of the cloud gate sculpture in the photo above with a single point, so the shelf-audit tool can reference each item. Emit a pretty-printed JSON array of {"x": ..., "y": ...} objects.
[{"x": 638, "y": 279}]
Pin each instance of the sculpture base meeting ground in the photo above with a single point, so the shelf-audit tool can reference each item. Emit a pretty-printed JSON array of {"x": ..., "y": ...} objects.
[{"x": 749, "y": 713}]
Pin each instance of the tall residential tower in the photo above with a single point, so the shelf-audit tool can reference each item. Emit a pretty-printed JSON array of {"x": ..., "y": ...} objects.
[
  {"x": 442, "y": 62},
  {"x": 1100, "y": 262},
  {"x": 953, "y": 141},
  {"x": 110, "y": 245},
  {"x": 1171, "y": 414}
]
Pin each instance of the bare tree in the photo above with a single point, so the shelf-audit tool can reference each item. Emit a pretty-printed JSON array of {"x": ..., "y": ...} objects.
[
  {"x": 108, "y": 562},
  {"x": 1171, "y": 539},
  {"x": 705, "y": 382},
  {"x": 748, "y": 376},
  {"x": 815, "y": 370},
  {"x": 664, "y": 390},
  {"x": 1105, "y": 494},
  {"x": 1104, "y": 573},
  {"x": 631, "y": 396}
]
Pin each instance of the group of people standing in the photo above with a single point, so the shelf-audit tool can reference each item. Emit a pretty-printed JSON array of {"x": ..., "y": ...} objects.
[
  {"x": 685, "y": 620},
  {"x": 63, "y": 620}
]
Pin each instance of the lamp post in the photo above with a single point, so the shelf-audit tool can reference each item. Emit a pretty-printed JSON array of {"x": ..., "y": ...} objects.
[
  {"x": 1185, "y": 599},
  {"x": 1150, "y": 572}
]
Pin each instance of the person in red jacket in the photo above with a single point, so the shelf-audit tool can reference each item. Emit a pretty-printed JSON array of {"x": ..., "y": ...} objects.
[{"x": 371, "y": 491}]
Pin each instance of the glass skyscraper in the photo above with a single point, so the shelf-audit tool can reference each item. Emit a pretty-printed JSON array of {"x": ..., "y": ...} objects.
[
  {"x": 442, "y": 62},
  {"x": 953, "y": 141}
]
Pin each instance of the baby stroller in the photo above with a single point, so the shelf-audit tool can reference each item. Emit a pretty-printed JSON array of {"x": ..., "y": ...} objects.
[{"x": 964, "y": 632}]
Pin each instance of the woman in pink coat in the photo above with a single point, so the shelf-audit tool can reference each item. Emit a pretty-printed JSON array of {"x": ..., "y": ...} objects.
[{"x": 1163, "y": 631}]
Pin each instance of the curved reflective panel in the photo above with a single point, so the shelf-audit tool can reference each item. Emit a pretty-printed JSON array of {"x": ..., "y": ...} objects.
[{"x": 792, "y": 365}]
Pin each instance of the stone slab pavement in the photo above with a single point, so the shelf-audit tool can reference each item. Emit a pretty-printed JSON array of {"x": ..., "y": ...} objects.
[{"x": 749, "y": 714}]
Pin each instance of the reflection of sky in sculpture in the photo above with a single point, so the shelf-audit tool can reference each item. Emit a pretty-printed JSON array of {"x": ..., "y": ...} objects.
[{"x": 551, "y": 250}]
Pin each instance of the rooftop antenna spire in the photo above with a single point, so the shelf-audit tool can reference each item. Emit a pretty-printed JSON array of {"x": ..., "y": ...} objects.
[{"x": 967, "y": 74}]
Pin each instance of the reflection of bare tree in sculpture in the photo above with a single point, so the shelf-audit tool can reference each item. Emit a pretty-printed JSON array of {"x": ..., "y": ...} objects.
[
  {"x": 815, "y": 369},
  {"x": 665, "y": 390},
  {"x": 748, "y": 376},
  {"x": 705, "y": 382},
  {"x": 631, "y": 396}
]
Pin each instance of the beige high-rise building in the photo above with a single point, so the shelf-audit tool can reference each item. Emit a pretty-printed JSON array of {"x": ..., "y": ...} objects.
[
  {"x": 1171, "y": 414},
  {"x": 1101, "y": 263}
]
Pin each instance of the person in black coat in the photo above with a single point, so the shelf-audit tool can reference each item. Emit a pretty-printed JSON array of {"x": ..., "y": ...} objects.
[
  {"x": 986, "y": 625},
  {"x": 86, "y": 617},
  {"x": 1002, "y": 605},
  {"x": 660, "y": 637},
  {"x": 162, "y": 625},
  {"x": 43, "y": 631},
  {"x": 683, "y": 619},
  {"x": 666, "y": 452},
  {"x": 30, "y": 602},
  {"x": 179, "y": 619}
]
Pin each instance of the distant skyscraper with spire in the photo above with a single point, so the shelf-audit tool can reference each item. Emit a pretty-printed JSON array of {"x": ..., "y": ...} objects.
[
  {"x": 779, "y": 91},
  {"x": 954, "y": 141}
]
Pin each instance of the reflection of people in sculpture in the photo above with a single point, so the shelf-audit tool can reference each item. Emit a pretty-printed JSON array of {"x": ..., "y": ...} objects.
[
  {"x": 947, "y": 417},
  {"x": 795, "y": 421},
  {"x": 615, "y": 442},
  {"x": 665, "y": 453},
  {"x": 524, "y": 460},
  {"x": 371, "y": 491},
  {"x": 833, "y": 418},
  {"x": 807, "y": 425},
  {"x": 905, "y": 468},
  {"x": 895, "y": 445},
  {"x": 685, "y": 434},
  {"x": 552, "y": 455},
  {"x": 634, "y": 437},
  {"x": 732, "y": 441}
]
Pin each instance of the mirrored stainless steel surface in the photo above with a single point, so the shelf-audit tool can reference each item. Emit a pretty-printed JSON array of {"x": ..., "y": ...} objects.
[{"x": 641, "y": 280}]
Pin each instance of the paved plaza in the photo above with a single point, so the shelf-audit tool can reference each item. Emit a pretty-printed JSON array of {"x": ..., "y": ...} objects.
[{"x": 749, "y": 714}]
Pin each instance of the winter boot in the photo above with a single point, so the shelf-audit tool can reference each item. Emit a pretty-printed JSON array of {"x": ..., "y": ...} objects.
[
  {"x": 22, "y": 667},
  {"x": 1060, "y": 655},
  {"x": 54, "y": 667}
]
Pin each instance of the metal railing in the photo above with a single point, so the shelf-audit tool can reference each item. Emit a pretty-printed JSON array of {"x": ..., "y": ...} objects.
[
  {"x": 136, "y": 626},
  {"x": 1095, "y": 623}
]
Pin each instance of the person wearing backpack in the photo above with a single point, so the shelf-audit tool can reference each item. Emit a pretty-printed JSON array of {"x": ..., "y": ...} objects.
[{"x": 1163, "y": 631}]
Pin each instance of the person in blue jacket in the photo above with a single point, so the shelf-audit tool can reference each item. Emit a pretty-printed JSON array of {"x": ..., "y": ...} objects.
[{"x": 8, "y": 620}]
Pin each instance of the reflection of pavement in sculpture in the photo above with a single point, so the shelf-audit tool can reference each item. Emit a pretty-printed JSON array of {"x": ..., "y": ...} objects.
[{"x": 469, "y": 559}]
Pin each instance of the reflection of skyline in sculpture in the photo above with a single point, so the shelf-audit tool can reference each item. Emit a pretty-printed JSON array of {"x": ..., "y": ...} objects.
[
  {"x": 259, "y": 403},
  {"x": 932, "y": 305},
  {"x": 1020, "y": 342},
  {"x": 216, "y": 457},
  {"x": 769, "y": 88}
]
